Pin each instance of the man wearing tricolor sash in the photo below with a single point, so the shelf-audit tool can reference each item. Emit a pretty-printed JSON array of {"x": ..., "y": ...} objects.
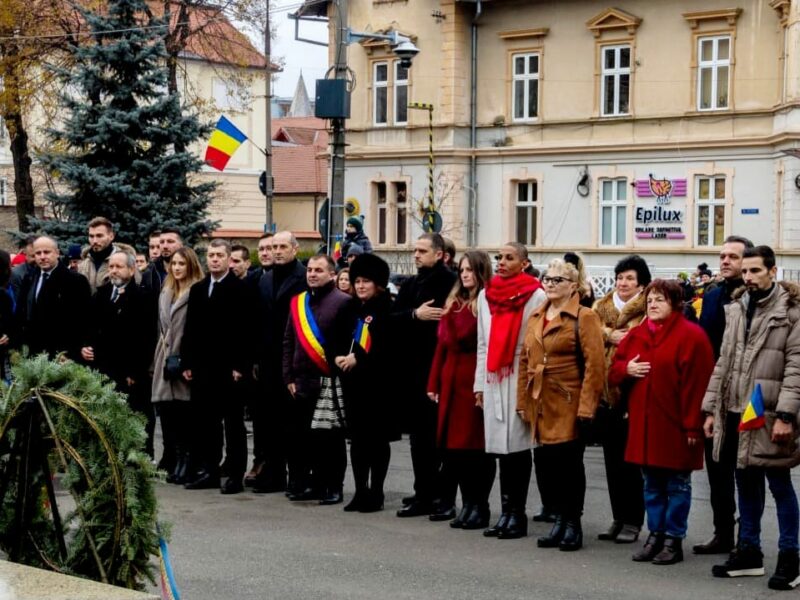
[
  {"x": 757, "y": 381},
  {"x": 319, "y": 329}
]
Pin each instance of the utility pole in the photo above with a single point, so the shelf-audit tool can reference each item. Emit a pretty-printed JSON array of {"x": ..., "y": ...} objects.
[
  {"x": 269, "y": 225},
  {"x": 336, "y": 204}
]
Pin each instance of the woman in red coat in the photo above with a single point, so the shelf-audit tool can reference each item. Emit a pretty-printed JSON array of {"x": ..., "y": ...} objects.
[
  {"x": 460, "y": 423},
  {"x": 664, "y": 364}
]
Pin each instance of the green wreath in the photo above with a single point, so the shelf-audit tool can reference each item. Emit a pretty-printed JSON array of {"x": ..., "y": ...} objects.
[{"x": 93, "y": 443}]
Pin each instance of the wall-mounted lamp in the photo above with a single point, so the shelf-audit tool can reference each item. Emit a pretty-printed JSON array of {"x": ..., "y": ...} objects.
[{"x": 584, "y": 183}]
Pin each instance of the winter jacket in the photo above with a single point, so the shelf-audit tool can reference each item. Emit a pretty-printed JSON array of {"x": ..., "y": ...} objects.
[
  {"x": 770, "y": 358},
  {"x": 550, "y": 390},
  {"x": 612, "y": 320},
  {"x": 664, "y": 406},
  {"x": 460, "y": 421},
  {"x": 171, "y": 323},
  {"x": 712, "y": 316}
]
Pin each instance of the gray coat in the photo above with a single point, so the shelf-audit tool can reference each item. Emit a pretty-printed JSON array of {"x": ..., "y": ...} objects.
[
  {"x": 171, "y": 322},
  {"x": 771, "y": 358},
  {"x": 505, "y": 431}
]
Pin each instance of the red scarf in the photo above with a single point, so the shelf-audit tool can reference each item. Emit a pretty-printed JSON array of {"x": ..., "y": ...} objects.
[{"x": 507, "y": 298}]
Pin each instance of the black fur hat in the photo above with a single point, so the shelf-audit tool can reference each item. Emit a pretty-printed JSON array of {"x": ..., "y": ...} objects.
[{"x": 370, "y": 267}]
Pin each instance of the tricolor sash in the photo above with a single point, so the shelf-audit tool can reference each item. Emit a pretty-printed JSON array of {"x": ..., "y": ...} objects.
[
  {"x": 361, "y": 335},
  {"x": 308, "y": 332}
]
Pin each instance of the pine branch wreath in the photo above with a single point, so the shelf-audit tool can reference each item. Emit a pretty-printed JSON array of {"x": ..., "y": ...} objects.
[{"x": 95, "y": 443}]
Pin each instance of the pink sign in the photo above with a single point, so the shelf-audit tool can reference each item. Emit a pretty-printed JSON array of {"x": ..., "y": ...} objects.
[{"x": 662, "y": 189}]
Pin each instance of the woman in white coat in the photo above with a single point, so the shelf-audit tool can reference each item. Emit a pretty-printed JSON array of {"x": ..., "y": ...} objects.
[{"x": 503, "y": 309}]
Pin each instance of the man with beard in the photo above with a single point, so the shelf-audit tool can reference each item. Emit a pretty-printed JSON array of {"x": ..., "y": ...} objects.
[
  {"x": 276, "y": 288},
  {"x": 153, "y": 278},
  {"x": 119, "y": 340},
  {"x": 94, "y": 265},
  {"x": 416, "y": 314}
]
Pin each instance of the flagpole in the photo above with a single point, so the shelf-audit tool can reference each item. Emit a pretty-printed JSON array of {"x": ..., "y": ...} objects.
[{"x": 268, "y": 140}]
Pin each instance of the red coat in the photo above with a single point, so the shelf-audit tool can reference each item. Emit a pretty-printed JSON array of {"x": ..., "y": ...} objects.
[
  {"x": 460, "y": 423},
  {"x": 664, "y": 407}
]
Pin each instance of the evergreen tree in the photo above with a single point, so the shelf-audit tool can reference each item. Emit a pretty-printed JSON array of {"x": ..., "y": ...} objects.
[{"x": 122, "y": 151}]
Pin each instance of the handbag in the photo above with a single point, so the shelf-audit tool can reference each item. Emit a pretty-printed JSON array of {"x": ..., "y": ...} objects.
[{"x": 172, "y": 367}]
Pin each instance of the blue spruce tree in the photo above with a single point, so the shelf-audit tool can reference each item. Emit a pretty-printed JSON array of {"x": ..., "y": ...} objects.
[{"x": 122, "y": 151}]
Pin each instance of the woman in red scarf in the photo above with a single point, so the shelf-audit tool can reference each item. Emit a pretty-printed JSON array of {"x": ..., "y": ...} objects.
[
  {"x": 503, "y": 308},
  {"x": 460, "y": 422}
]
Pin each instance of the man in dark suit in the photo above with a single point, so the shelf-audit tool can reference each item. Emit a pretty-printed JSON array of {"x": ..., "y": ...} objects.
[
  {"x": 53, "y": 304},
  {"x": 215, "y": 354},
  {"x": 156, "y": 272},
  {"x": 285, "y": 279},
  {"x": 120, "y": 339}
]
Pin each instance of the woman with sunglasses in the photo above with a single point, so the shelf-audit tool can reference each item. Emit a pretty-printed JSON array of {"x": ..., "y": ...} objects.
[{"x": 562, "y": 372}]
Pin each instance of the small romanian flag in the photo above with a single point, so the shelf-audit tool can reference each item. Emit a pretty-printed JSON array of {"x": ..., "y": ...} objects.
[
  {"x": 224, "y": 141},
  {"x": 753, "y": 415},
  {"x": 337, "y": 251},
  {"x": 361, "y": 334}
]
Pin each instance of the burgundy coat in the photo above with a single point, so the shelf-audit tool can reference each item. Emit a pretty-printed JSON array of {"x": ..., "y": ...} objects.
[
  {"x": 460, "y": 423},
  {"x": 664, "y": 407}
]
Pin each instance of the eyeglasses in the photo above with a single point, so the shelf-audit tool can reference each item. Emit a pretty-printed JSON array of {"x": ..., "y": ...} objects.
[{"x": 555, "y": 280}]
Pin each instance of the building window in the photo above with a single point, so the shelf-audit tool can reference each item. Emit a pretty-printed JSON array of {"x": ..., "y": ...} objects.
[
  {"x": 525, "y": 90},
  {"x": 400, "y": 94},
  {"x": 3, "y": 191},
  {"x": 380, "y": 201},
  {"x": 710, "y": 206},
  {"x": 616, "y": 81},
  {"x": 613, "y": 212},
  {"x": 713, "y": 72},
  {"x": 527, "y": 212},
  {"x": 401, "y": 220},
  {"x": 380, "y": 92}
]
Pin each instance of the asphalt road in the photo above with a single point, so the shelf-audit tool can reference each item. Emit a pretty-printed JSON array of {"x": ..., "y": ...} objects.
[{"x": 248, "y": 547}]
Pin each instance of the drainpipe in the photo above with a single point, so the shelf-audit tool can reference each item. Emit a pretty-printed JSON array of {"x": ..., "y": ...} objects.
[{"x": 472, "y": 204}]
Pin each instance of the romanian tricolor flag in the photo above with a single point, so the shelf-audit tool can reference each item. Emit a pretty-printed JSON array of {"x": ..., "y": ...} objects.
[
  {"x": 224, "y": 141},
  {"x": 361, "y": 334},
  {"x": 337, "y": 251},
  {"x": 169, "y": 591},
  {"x": 753, "y": 415}
]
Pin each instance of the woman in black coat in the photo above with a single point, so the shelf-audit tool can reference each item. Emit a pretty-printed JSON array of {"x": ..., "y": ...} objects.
[{"x": 367, "y": 369}]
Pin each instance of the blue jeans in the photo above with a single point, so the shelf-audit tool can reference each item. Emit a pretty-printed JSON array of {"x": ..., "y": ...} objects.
[
  {"x": 667, "y": 499},
  {"x": 750, "y": 483}
]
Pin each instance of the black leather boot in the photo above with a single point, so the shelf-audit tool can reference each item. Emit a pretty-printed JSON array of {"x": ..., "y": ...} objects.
[
  {"x": 516, "y": 527},
  {"x": 458, "y": 522},
  {"x": 652, "y": 546},
  {"x": 573, "y": 536},
  {"x": 502, "y": 521},
  {"x": 478, "y": 518},
  {"x": 553, "y": 539}
]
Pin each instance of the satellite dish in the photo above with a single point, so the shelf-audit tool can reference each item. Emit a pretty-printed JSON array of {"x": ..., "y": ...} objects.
[{"x": 352, "y": 207}]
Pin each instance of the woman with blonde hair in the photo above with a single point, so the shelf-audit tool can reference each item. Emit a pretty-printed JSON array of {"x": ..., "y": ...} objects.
[
  {"x": 561, "y": 376},
  {"x": 170, "y": 391},
  {"x": 584, "y": 284},
  {"x": 450, "y": 384}
]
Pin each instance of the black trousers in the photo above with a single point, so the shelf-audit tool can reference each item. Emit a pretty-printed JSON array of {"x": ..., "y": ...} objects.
[
  {"x": 625, "y": 484},
  {"x": 276, "y": 403},
  {"x": 564, "y": 477},
  {"x": 257, "y": 406},
  {"x": 174, "y": 417},
  {"x": 369, "y": 457},
  {"x": 329, "y": 459},
  {"x": 425, "y": 457},
  {"x": 139, "y": 401},
  {"x": 301, "y": 443},
  {"x": 473, "y": 472},
  {"x": 721, "y": 478},
  {"x": 219, "y": 421},
  {"x": 515, "y": 479}
]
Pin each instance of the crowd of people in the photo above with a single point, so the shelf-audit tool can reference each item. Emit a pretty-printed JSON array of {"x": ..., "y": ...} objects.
[{"x": 488, "y": 365}]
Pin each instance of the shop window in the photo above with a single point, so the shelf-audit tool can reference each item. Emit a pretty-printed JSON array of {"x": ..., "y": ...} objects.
[
  {"x": 615, "y": 81},
  {"x": 710, "y": 206},
  {"x": 525, "y": 87},
  {"x": 613, "y": 212},
  {"x": 713, "y": 72},
  {"x": 527, "y": 212}
]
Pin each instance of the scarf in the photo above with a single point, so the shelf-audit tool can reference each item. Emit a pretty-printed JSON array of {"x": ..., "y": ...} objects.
[{"x": 507, "y": 298}]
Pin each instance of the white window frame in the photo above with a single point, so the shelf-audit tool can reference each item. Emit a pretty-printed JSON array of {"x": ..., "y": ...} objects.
[
  {"x": 3, "y": 191},
  {"x": 711, "y": 202},
  {"x": 617, "y": 72},
  {"x": 615, "y": 203},
  {"x": 377, "y": 85},
  {"x": 398, "y": 83},
  {"x": 526, "y": 78},
  {"x": 715, "y": 64},
  {"x": 532, "y": 204}
]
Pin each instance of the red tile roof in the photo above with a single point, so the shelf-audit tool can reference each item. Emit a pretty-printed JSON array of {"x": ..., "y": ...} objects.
[
  {"x": 299, "y": 170},
  {"x": 301, "y": 130}
]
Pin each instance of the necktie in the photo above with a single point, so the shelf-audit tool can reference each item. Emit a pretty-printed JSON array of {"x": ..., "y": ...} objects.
[
  {"x": 211, "y": 287},
  {"x": 42, "y": 281},
  {"x": 115, "y": 294}
]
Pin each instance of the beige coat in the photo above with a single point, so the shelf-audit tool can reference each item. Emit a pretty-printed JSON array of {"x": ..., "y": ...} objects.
[
  {"x": 771, "y": 358},
  {"x": 550, "y": 389},
  {"x": 171, "y": 322},
  {"x": 612, "y": 320},
  {"x": 99, "y": 277}
]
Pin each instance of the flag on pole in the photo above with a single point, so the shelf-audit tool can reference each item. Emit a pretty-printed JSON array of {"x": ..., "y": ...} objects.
[
  {"x": 224, "y": 141},
  {"x": 337, "y": 251},
  {"x": 753, "y": 415},
  {"x": 169, "y": 591}
]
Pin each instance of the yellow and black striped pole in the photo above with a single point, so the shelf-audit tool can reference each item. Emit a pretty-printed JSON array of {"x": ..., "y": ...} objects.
[{"x": 431, "y": 205}]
